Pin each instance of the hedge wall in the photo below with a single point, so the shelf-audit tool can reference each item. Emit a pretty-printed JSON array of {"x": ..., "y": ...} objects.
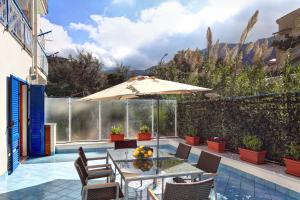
[{"x": 274, "y": 118}]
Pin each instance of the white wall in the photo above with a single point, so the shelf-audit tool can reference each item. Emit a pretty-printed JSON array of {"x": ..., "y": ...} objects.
[{"x": 16, "y": 61}]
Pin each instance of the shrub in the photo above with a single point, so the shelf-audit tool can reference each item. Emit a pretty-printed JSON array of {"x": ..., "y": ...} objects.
[
  {"x": 252, "y": 142},
  {"x": 293, "y": 151},
  {"x": 116, "y": 130},
  {"x": 192, "y": 133},
  {"x": 144, "y": 129}
]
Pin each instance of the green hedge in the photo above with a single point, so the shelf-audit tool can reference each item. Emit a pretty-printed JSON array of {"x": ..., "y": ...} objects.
[{"x": 274, "y": 118}]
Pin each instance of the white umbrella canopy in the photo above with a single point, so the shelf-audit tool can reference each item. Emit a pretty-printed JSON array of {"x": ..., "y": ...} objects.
[{"x": 144, "y": 86}]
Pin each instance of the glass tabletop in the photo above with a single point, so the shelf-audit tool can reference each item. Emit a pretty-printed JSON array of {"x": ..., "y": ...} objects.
[{"x": 136, "y": 169}]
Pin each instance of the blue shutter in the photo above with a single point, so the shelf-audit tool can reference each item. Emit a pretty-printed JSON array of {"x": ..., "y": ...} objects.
[
  {"x": 37, "y": 142},
  {"x": 13, "y": 124}
]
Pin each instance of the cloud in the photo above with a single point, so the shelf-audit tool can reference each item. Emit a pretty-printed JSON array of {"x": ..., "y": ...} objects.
[
  {"x": 126, "y": 2},
  {"x": 60, "y": 41},
  {"x": 172, "y": 26}
]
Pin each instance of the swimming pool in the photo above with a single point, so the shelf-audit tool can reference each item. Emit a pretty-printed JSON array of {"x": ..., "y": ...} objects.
[{"x": 235, "y": 184}]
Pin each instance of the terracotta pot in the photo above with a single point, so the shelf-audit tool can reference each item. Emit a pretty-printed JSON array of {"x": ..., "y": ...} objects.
[
  {"x": 216, "y": 146},
  {"x": 116, "y": 137},
  {"x": 252, "y": 156},
  {"x": 192, "y": 140},
  {"x": 292, "y": 167},
  {"x": 144, "y": 136}
]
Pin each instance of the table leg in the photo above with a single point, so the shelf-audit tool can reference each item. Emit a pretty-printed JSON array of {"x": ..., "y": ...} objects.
[
  {"x": 126, "y": 195},
  {"x": 162, "y": 187},
  {"x": 121, "y": 183}
]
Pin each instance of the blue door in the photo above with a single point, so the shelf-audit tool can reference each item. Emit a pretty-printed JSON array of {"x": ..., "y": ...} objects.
[
  {"x": 13, "y": 124},
  {"x": 37, "y": 138}
]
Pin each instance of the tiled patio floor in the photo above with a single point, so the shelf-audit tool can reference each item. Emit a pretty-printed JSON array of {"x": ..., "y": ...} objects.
[{"x": 55, "y": 178}]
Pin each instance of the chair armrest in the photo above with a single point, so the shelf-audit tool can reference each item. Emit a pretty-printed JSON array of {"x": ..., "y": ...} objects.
[
  {"x": 97, "y": 158},
  {"x": 101, "y": 185},
  {"x": 99, "y": 166},
  {"x": 209, "y": 174},
  {"x": 151, "y": 194}
]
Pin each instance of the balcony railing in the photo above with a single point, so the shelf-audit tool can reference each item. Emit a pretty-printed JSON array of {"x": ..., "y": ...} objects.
[
  {"x": 15, "y": 21},
  {"x": 12, "y": 17},
  {"x": 42, "y": 59}
]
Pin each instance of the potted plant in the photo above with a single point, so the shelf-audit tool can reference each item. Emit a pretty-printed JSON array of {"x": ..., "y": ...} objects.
[
  {"x": 144, "y": 133},
  {"x": 116, "y": 134},
  {"x": 216, "y": 144},
  {"x": 192, "y": 137},
  {"x": 292, "y": 160},
  {"x": 253, "y": 150}
]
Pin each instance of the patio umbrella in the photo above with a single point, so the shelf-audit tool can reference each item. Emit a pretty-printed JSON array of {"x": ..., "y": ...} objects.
[{"x": 145, "y": 86}]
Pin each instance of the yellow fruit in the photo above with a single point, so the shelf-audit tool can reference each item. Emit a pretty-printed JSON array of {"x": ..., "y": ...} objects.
[
  {"x": 135, "y": 154},
  {"x": 150, "y": 153}
]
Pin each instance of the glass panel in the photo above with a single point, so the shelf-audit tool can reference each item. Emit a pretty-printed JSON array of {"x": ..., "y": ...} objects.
[
  {"x": 112, "y": 113},
  {"x": 85, "y": 120},
  {"x": 57, "y": 111},
  {"x": 15, "y": 21},
  {"x": 166, "y": 166},
  {"x": 166, "y": 117},
  {"x": 139, "y": 114},
  {"x": 3, "y": 11}
]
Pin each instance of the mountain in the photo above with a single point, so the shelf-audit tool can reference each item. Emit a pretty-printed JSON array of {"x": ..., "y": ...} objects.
[
  {"x": 191, "y": 57},
  {"x": 247, "y": 58}
]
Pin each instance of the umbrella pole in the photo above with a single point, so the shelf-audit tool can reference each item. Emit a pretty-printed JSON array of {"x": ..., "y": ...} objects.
[{"x": 157, "y": 133}]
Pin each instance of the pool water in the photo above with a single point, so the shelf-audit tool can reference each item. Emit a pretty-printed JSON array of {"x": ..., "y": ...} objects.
[
  {"x": 54, "y": 177},
  {"x": 232, "y": 183}
]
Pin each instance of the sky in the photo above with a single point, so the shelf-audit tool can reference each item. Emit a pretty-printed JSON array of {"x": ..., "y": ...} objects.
[{"x": 139, "y": 32}]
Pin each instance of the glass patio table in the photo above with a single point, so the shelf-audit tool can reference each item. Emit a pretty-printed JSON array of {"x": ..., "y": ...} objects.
[{"x": 132, "y": 169}]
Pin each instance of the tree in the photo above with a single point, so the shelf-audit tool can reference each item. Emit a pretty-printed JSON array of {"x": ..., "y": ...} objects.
[{"x": 76, "y": 76}]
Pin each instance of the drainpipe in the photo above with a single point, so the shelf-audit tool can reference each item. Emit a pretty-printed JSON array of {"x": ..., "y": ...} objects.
[{"x": 34, "y": 39}]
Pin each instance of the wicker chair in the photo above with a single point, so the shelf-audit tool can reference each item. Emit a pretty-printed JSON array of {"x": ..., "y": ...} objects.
[
  {"x": 183, "y": 151},
  {"x": 207, "y": 162},
  {"x": 185, "y": 191},
  {"x": 104, "y": 191},
  {"x": 92, "y": 167},
  {"x": 94, "y": 174},
  {"x": 125, "y": 144}
]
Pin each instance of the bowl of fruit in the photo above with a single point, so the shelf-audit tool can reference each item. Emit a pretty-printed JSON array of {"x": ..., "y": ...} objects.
[
  {"x": 143, "y": 152},
  {"x": 144, "y": 165}
]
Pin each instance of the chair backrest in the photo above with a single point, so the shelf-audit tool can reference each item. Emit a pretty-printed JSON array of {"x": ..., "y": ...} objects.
[
  {"x": 125, "y": 144},
  {"x": 82, "y": 155},
  {"x": 208, "y": 162},
  {"x": 83, "y": 175},
  {"x": 109, "y": 192},
  {"x": 188, "y": 191},
  {"x": 183, "y": 151}
]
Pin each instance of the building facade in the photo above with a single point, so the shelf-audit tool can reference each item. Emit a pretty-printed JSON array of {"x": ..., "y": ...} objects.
[
  {"x": 287, "y": 39},
  {"x": 23, "y": 63}
]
